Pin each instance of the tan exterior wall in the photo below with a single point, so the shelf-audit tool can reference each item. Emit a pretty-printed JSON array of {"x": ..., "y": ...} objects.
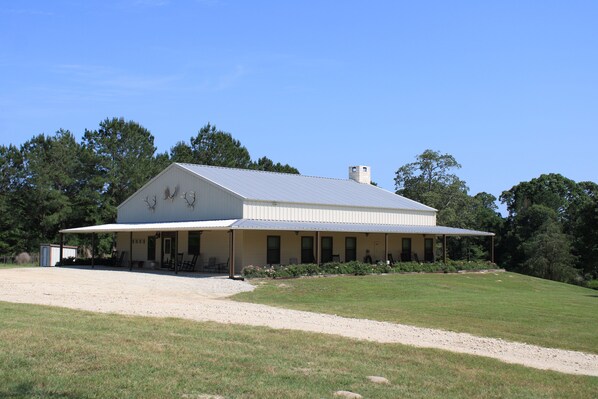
[
  {"x": 211, "y": 202},
  {"x": 335, "y": 214},
  {"x": 251, "y": 246},
  {"x": 254, "y": 246}
]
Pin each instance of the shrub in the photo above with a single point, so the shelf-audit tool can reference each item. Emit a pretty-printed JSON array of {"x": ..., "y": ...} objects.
[
  {"x": 360, "y": 268},
  {"x": 22, "y": 258}
]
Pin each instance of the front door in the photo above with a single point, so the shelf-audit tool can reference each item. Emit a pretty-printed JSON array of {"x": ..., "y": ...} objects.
[{"x": 168, "y": 249}]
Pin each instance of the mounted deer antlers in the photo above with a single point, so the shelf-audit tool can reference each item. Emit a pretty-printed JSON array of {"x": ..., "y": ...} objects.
[
  {"x": 151, "y": 204},
  {"x": 189, "y": 198},
  {"x": 171, "y": 196}
]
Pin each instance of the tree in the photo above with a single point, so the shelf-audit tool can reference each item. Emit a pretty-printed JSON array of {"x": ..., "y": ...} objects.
[
  {"x": 266, "y": 164},
  {"x": 212, "y": 147},
  {"x": 548, "y": 253},
  {"x": 50, "y": 183},
  {"x": 12, "y": 233},
  {"x": 123, "y": 154},
  {"x": 567, "y": 199},
  {"x": 429, "y": 180}
]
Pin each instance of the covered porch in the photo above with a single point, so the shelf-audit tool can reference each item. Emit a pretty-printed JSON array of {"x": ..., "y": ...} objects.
[{"x": 226, "y": 246}]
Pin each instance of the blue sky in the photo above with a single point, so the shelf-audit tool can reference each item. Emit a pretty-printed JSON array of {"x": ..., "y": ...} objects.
[{"x": 510, "y": 88}]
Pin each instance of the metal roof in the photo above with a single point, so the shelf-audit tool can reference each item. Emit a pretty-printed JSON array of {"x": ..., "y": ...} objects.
[
  {"x": 290, "y": 188},
  {"x": 249, "y": 224}
]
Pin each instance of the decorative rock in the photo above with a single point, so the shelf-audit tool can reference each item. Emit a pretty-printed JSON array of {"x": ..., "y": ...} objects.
[
  {"x": 347, "y": 394},
  {"x": 378, "y": 380}
]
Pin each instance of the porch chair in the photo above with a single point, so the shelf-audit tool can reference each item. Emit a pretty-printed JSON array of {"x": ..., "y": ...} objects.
[
  {"x": 177, "y": 262},
  {"x": 189, "y": 266},
  {"x": 211, "y": 266}
]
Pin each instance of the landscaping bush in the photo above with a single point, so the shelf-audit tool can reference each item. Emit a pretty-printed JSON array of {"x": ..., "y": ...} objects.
[
  {"x": 23, "y": 258},
  {"x": 361, "y": 269}
]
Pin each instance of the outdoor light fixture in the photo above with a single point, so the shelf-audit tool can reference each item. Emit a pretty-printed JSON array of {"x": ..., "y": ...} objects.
[{"x": 157, "y": 235}]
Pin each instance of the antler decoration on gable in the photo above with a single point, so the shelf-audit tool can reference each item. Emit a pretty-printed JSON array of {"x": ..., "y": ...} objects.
[
  {"x": 189, "y": 198},
  {"x": 151, "y": 203},
  {"x": 171, "y": 196}
]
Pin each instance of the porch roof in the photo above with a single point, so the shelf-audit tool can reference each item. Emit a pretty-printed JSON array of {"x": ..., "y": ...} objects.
[{"x": 250, "y": 224}]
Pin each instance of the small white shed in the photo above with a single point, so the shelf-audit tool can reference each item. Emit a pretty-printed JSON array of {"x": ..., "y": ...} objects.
[{"x": 49, "y": 254}]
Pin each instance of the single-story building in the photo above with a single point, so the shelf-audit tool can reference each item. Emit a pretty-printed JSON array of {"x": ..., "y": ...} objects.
[{"x": 223, "y": 219}]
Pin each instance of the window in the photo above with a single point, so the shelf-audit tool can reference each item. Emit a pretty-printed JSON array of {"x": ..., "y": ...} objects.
[
  {"x": 350, "y": 249},
  {"x": 193, "y": 242},
  {"x": 326, "y": 249},
  {"x": 273, "y": 250},
  {"x": 406, "y": 251},
  {"x": 151, "y": 248},
  {"x": 429, "y": 250},
  {"x": 307, "y": 250}
]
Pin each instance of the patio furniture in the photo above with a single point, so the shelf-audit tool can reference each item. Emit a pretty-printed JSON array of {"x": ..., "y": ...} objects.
[{"x": 189, "y": 266}]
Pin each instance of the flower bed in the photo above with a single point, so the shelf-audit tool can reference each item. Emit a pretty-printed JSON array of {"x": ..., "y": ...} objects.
[{"x": 361, "y": 269}]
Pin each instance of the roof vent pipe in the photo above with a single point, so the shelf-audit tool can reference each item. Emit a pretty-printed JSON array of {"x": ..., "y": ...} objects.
[{"x": 361, "y": 174}]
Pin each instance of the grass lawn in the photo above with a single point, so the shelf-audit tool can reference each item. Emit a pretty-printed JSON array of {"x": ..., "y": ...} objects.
[
  {"x": 504, "y": 305},
  {"x": 50, "y": 352},
  {"x": 15, "y": 265}
]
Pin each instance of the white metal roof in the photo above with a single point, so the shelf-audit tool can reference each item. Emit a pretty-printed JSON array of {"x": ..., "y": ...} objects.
[
  {"x": 249, "y": 224},
  {"x": 284, "y": 187},
  {"x": 169, "y": 226}
]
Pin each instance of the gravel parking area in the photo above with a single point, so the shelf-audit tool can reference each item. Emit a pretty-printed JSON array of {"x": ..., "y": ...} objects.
[{"x": 203, "y": 298}]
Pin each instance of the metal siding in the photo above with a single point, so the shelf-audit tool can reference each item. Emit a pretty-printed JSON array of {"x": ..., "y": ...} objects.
[
  {"x": 290, "y": 188},
  {"x": 211, "y": 202},
  {"x": 332, "y": 214}
]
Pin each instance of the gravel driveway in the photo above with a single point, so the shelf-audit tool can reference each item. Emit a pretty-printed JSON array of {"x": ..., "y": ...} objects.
[{"x": 204, "y": 299}]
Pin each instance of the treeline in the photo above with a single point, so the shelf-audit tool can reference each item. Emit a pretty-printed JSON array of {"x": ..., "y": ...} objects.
[
  {"x": 551, "y": 230},
  {"x": 53, "y": 182}
]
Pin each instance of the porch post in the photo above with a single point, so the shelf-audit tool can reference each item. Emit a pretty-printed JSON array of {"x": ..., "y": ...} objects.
[
  {"x": 385, "y": 247},
  {"x": 492, "y": 249},
  {"x": 60, "y": 255},
  {"x": 176, "y": 253},
  {"x": 93, "y": 249},
  {"x": 130, "y": 251},
  {"x": 318, "y": 249},
  {"x": 444, "y": 248},
  {"x": 231, "y": 254}
]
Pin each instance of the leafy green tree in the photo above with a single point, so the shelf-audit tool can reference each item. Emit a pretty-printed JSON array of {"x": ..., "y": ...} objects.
[
  {"x": 548, "y": 253},
  {"x": 430, "y": 180},
  {"x": 567, "y": 199},
  {"x": 50, "y": 182},
  {"x": 212, "y": 147},
  {"x": 12, "y": 232},
  {"x": 266, "y": 164},
  {"x": 123, "y": 155}
]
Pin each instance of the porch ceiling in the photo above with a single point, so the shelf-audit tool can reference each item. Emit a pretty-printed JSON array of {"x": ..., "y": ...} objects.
[{"x": 249, "y": 224}]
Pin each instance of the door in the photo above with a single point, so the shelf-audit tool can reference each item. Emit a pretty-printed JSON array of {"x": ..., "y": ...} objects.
[
  {"x": 151, "y": 248},
  {"x": 429, "y": 250},
  {"x": 326, "y": 249},
  {"x": 307, "y": 250},
  {"x": 350, "y": 249},
  {"x": 406, "y": 250},
  {"x": 168, "y": 249}
]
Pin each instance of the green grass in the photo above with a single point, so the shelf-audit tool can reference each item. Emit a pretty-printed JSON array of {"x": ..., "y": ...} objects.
[
  {"x": 16, "y": 265},
  {"x": 504, "y": 305},
  {"x": 50, "y": 352}
]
